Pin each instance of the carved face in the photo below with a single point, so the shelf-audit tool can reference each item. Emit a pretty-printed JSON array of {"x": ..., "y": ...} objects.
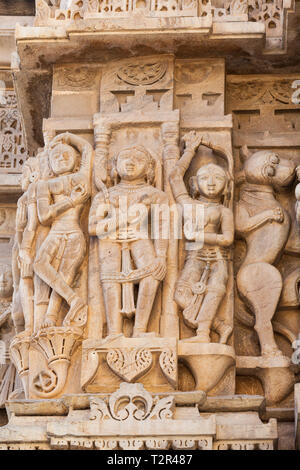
[
  {"x": 132, "y": 164},
  {"x": 62, "y": 159},
  {"x": 211, "y": 181},
  {"x": 6, "y": 281},
  {"x": 267, "y": 167}
]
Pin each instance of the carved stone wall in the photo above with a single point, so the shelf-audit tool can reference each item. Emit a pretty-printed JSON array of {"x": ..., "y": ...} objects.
[{"x": 155, "y": 243}]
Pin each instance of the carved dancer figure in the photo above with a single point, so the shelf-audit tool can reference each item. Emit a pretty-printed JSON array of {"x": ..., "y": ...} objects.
[
  {"x": 8, "y": 376},
  {"x": 135, "y": 168},
  {"x": 24, "y": 250},
  {"x": 202, "y": 282},
  {"x": 264, "y": 224},
  {"x": 60, "y": 202}
]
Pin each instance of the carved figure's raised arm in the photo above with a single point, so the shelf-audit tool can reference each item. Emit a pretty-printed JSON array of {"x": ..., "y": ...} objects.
[{"x": 192, "y": 142}]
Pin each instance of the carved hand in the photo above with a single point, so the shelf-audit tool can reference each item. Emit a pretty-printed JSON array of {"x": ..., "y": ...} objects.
[
  {"x": 25, "y": 263},
  {"x": 192, "y": 140},
  {"x": 79, "y": 195},
  {"x": 160, "y": 268},
  {"x": 276, "y": 215}
]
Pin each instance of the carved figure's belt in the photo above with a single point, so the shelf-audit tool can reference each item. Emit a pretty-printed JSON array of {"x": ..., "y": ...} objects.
[
  {"x": 131, "y": 276},
  {"x": 211, "y": 254}
]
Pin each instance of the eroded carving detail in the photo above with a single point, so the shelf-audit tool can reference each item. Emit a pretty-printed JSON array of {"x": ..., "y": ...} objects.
[{"x": 132, "y": 402}]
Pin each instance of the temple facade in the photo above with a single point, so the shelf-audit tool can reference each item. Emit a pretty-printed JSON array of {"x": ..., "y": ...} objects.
[{"x": 149, "y": 224}]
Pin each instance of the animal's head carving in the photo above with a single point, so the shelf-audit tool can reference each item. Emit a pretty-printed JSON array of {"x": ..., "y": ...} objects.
[{"x": 266, "y": 167}]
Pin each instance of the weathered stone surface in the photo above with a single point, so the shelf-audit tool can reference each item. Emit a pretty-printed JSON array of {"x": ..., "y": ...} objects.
[{"x": 150, "y": 214}]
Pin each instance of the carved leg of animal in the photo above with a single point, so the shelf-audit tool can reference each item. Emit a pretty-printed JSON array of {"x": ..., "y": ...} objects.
[
  {"x": 260, "y": 285},
  {"x": 110, "y": 262},
  {"x": 26, "y": 294}
]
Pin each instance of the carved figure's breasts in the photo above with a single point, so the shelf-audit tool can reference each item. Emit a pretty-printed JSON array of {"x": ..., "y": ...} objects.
[
  {"x": 212, "y": 218},
  {"x": 60, "y": 188}
]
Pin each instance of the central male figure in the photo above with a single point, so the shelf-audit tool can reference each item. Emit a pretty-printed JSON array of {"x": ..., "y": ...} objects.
[{"x": 127, "y": 254}]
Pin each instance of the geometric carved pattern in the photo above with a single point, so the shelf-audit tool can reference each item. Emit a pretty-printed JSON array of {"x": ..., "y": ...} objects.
[{"x": 12, "y": 146}]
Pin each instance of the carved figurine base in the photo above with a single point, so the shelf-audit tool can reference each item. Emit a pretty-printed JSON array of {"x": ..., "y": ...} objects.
[
  {"x": 217, "y": 360},
  {"x": 274, "y": 373},
  {"x": 149, "y": 360}
]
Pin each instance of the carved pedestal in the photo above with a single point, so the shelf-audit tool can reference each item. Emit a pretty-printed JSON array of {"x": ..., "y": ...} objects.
[
  {"x": 212, "y": 366},
  {"x": 150, "y": 361},
  {"x": 274, "y": 373},
  {"x": 131, "y": 418}
]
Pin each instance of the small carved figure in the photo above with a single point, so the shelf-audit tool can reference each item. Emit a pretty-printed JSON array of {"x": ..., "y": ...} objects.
[
  {"x": 202, "y": 282},
  {"x": 60, "y": 202},
  {"x": 24, "y": 248},
  {"x": 135, "y": 168},
  {"x": 8, "y": 377},
  {"x": 264, "y": 224}
]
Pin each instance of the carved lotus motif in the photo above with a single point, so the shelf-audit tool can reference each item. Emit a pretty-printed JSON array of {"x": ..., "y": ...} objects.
[
  {"x": 129, "y": 364},
  {"x": 142, "y": 74}
]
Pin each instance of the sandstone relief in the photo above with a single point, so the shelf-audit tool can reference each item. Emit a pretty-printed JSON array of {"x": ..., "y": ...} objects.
[{"x": 149, "y": 249}]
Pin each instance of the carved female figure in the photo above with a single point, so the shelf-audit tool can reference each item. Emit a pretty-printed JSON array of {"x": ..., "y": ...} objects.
[
  {"x": 135, "y": 168},
  {"x": 8, "y": 376},
  {"x": 60, "y": 202},
  {"x": 202, "y": 282},
  {"x": 23, "y": 251}
]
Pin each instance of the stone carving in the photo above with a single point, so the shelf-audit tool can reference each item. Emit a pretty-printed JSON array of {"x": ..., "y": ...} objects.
[
  {"x": 24, "y": 248},
  {"x": 57, "y": 345},
  {"x": 132, "y": 402},
  {"x": 69, "y": 190},
  {"x": 114, "y": 359},
  {"x": 8, "y": 376},
  {"x": 168, "y": 364},
  {"x": 202, "y": 283},
  {"x": 47, "y": 257},
  {"x": 260, "y": 217},
  {"x": 129, "y": 364},
  {"x": 138, "y": 84},
  {"x": 74, "y": 78},
  {"x": 118, "y": 250},
  {"x": 12, "y": 146},
  {"x": 145, "y": 74}
]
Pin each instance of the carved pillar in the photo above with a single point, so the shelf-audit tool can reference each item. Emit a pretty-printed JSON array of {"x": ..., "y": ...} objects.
[
  {"x": 169, "y": 320},
  {"x": 102, "y": 134}
]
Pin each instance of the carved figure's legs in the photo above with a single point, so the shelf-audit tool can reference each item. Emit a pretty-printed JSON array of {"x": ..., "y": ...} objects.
[
  {"x": 67, "y": 253},
  {"x": 215, "y": 291},
  {"x": 17, "y": 312},
  {"x": 110, "y": 262},
  {"x": 260, "y": 285},
  {"x": 189, "y": 275},
  {"x": 26, "y": 297},
  {"x": 143, "y": 254}
]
